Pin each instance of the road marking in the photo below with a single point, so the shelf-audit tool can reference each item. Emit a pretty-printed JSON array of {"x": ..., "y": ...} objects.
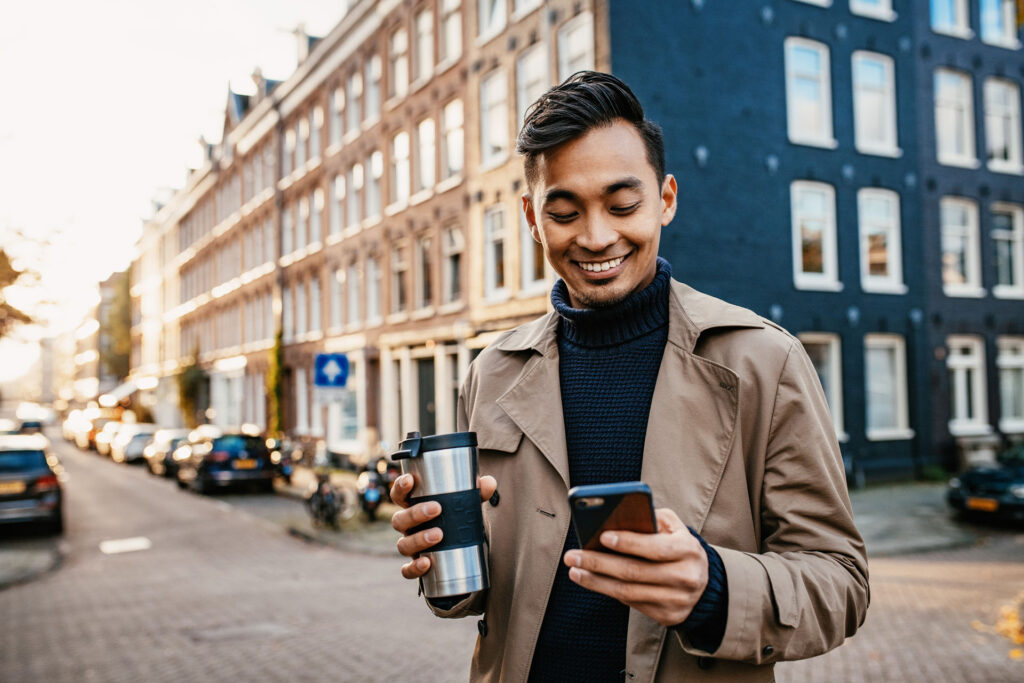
[{"x": 125, "y": 545}]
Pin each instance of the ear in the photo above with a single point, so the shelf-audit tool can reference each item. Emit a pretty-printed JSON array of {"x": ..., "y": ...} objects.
[
  {"x": 669, "y": 194},
  {"x": 531, "y": 218}
]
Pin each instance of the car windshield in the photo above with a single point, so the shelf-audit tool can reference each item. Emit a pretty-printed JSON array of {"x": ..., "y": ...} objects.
[
  {"x": 237, "y": 442},
  {"x": 1013, "y": 456},
  {"x": 19, "y": 461}
]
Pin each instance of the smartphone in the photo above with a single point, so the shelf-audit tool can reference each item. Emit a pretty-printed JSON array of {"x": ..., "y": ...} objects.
[{"x": 624, "y": 506}]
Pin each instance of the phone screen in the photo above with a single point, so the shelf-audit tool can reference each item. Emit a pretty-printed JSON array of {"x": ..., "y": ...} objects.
[{"x": 601, "y": 508}]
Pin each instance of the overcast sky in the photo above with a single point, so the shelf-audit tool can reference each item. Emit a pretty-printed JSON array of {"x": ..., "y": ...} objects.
[{"x": 104, "y": 102}]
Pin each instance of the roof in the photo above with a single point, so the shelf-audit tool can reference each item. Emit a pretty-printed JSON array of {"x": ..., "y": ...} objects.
[{"x": 24, "y": 442}]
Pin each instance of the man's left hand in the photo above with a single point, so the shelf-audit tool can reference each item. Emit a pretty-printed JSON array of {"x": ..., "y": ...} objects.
[{"x": 662, "y": 575}]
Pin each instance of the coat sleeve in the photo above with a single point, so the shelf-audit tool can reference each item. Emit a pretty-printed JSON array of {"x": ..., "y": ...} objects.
[
  {"x": 473, "y": 603},
  {"x": 807, "y": 590}
]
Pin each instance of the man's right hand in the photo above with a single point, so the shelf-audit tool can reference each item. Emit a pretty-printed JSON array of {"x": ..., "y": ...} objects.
[{"x": 407, "y": 518}]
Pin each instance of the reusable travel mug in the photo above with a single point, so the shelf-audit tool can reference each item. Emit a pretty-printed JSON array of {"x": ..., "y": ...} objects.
[{"x": 444, "y": 468}]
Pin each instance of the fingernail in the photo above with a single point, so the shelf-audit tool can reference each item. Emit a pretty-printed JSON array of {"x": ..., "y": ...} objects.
[
  {"x": 574, "y": 557},
  {"x": 575, "y": 574},
  {"x": 609, "y": 539},
  {"x": 434, "y": 535},
  {"x": 433, "y": 508},
  {"x": 406, "y": 480}
]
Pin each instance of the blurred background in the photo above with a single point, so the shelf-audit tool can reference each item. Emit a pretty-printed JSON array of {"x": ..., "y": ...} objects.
[{"x": 296, "y": 224}]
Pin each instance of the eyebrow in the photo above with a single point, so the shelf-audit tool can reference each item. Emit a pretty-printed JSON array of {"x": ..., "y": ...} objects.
[{"x": 627, "y": 183}]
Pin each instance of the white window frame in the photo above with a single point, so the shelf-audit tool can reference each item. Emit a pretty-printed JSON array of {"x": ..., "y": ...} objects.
[
  {"x": 426, "y": 154},
  {"x": 531, "y": 78},
  {"x": 373, "y": 291},
  {"x": 316, "y": 229},
  {"x": 354, "y": 208},
  {"x": 972, "y": 251},
  {"x": 399, "y": 280},
  {"x": 819, "y": 3},
  {"x": 901, "y": 430},
  {"x": 424, "y": 48},
  {"x": 371, "y": 99},
  {"x": 528, "y": 284},
  {"x": 493, "y": 233},
  {"x": 453, "y": 244},
  {"x": 494, "y": 135},
  {"x": 888, "y": 144},
  {"x": 569, "y": 59},
  {"x": 450, "y": 39},
  {"x": 1010, "y": 364},
  {"x": 398, "y": 64},
  {"x": 1007, "y": 15},
  {"x": 825, "y": 137},
  {"x": 490, "y": 25},
  {"x": 453, "y": 139},
  {"x": 352, "y": 296},
  {"x": 316, "y": 124},
  {"x": 338, "y": 282},
  {"x": 353, "y": 94},
  {"x": 301, "y": 318},
  {"x": 423, "y": 273},
  {"x": 828, "y": 279},
  {"x": 960, "y": 105},
  {"x": 879, "y": 9},
  {"x": 960, "y": 423},
  {"x": 315, "y": 309},
  {"x": 1007, "y": 116},
  {"x": 834, "y": 393},
  {"x": 400, "y": 171},
  {"x": 301, "y": 402},
  {"x": 961, "y": 26},
  {"x": 521, "y": 8},
  {"x": 1015, "y": 236},
  {"x": 893, "y": 282},
  {"x": 336, "y": 116},
  {"x": 338, "y": 189},
  {"x": 374, "y": 189}
]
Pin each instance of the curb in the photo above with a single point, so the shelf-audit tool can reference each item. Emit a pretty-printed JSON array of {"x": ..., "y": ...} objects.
[
  {"x": 14, "y": 578},
  {"x": 342, "y": 541}
]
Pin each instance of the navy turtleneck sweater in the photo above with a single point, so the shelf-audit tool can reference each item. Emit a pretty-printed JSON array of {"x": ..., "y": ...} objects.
[{"x": 608, "y": 365}]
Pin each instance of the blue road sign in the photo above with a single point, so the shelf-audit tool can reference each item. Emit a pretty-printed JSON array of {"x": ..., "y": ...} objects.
[{"x": 331, "y": 370}]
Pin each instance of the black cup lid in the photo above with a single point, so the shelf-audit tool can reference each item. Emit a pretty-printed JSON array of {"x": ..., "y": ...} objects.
[{"x": 414, "y": 445}]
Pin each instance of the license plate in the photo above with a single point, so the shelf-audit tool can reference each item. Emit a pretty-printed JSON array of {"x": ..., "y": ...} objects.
[
  {"x": 245, "y": 464},
  {"x": 984, "y": 504},
  {"x": 8, "y": 488}
]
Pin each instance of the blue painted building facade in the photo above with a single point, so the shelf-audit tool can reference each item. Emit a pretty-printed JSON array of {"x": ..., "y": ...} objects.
[{"x": 803, "y": 135}]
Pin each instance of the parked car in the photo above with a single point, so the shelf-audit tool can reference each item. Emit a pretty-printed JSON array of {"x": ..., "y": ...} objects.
[
  {"x": 213, "y": 459},
  {"x": 130, "y": 441},
  {"x": 29, "y": 482},
  {"x": 75, "y": 422},
  {"x": 30, "y": 426},
  {"x": 105, "y": 437},
  {"x": 159, "y": 452},
  {"x": 86, "y": 437},
  {"x": 995, "y": 490}
]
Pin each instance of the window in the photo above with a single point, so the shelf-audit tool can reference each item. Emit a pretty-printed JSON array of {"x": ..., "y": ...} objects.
[
  {"x": 451, "y": 31},
  {"x": 301, "y": 402},
  {"x": 576, "y": 46},
  {"x": 426, "y": 157},
  {"x": 372, "y": 290},
  {"x": 289, "y": 152},
  {"x": 424, "y": 44},
  {"x": 531, "y": 255},
  {"x": 874, "y": 103},
  {"x": 814, "y": 236},
  {"x": 824, "y": 351},
  {"x": 352, "y": 291},
  {"x": 300, "y": 309},
  {"x": 490, "y": 18},
  {"x": 961, "y": 262},
  {"x": 375, "y": 166},
  {"x": 521, "y": 8},
  {"x": 1008, "y": 234},
  {"x": 353, "y": 91},
  {"x": 885, "y": 377},
  {"x": 316, "y": 123},
  {"x": 399, "y": 267},
  {"x": 808, "y": 93},
  {"x": 398, "y": 64},
  {"x": 876, "y": 9},
  {"x": 286, "y": 230},
  {"x": 336, "y": 110},
  {"x": 301, "y": 232},
  {"x": 452, "y": 144},
  {"x": 354, "y": 180},
  {"x": 314, "y": 305},
  {"x": 950, "y": 17},
  {"x": 452, "y": 245},
  {"x": 531, "y": 78},
  {"x": 966, "y": 363},
  {"x": 493, "y": 118},
  {"x": 337, "y": 200},
  {"x": 336, "y": 294},
  {"x": 954, "y": 118},
  {"x": 1010, "y": 363},
  {"x": 302, "y": 145},
  {"x": 424, "y": 272},
  {"x": 315, "y": 217},
  {"x": 1002, "y": 126},
  {"x": 373, "y": 76},
  {"x": 999, "y": 23},
  {"x": 400, "y": 169},
  {"x": 881, "y": 263},
  {"x": 494, "y": 252}
]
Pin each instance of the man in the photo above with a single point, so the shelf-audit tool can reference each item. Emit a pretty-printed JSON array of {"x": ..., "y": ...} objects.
[{"x": 635, "y": 376}]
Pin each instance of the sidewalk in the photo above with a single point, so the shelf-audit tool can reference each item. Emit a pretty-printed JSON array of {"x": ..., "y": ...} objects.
[{"x": 900, "y": 519}]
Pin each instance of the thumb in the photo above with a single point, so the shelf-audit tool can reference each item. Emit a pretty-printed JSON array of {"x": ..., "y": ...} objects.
[
  {"x": 488, "y": 485},
  {"x": 668, "y": 521}
]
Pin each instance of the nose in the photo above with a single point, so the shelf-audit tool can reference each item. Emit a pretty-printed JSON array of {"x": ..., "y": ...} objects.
[{"x": 597, "y": 235}]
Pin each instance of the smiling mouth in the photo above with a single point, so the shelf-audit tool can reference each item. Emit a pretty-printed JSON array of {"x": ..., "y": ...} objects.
[{"x": 601, "y": 266}]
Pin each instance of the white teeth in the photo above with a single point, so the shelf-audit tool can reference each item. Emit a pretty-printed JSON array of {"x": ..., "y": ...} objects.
[{"x": 601, "y": 267}]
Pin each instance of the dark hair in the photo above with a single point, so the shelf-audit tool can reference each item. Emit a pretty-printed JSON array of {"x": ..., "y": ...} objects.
[{"x": 585, "y": 100}]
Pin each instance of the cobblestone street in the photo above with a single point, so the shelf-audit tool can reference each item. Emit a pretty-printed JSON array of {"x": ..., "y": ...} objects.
[{"x": 224, "y": 593}]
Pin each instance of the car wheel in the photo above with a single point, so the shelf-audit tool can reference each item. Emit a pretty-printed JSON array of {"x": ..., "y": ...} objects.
[
  {"x": 56, "y": 525},
  {"x": 181, "y": 485},
  {"x": 267, "y": 486},
  {"x": 199, "y": 486}
]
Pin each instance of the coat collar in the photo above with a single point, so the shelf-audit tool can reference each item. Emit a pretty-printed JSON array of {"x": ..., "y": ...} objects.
[{"x": 691, "y": 313}]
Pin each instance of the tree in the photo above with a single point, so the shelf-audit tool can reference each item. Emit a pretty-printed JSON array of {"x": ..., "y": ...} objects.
[
  {"x": 275, "y": 386},
  {"x": 117, "y": 326},
  {"x": 9, "y": 315},
  {"x": 193, "y": 390}
]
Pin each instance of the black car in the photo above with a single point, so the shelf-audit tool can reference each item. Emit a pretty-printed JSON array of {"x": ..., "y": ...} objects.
[
  {"x": 213, "y": 459},
  {"x": 991, "y": 490},
  {"x": 159, "y": 453},
  {"x": 29, "y": 484}
]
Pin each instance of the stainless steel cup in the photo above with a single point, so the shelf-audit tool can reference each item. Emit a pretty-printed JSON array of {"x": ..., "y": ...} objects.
[{"x": 444, "y": 468}]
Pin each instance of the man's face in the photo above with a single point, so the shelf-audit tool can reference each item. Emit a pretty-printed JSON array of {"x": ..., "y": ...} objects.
[{"x": 598, "y": 210}]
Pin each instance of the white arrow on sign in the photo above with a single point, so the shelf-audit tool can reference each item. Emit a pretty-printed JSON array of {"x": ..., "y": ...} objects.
[{"x": 331, "y": 370}]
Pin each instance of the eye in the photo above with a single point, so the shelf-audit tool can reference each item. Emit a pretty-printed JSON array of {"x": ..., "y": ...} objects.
[
  {"x": 623, "y": 210},
  {"x": 562, "y": 217}
]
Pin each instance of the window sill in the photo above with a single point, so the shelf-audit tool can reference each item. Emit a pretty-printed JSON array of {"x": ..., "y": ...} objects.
[
  {"x": 421, "y": 196},
  {"x": 522, "y": 13},
  {"x": 397, "y": 207},
  {"x": 370, "y": 221},
  {"x": 494, "y": 163},
  {"x": 969, "y": 428},
  {"x": 351, "y": 136},
  {"x": 886, "y": 288},
  {"x": 335, "y": 237},
  {"x": 1012, "y": 44},
  {"x": 1004, "y": 167},
  {"x": 485, "y": 38},
  {"x": 394, "y": 100},
  {"x": 333, "y": 149},
  {"x": 869, "y": 13},
  {"x": 960, "y": 162},
  {"x": 351, "y": 230},
  {"x": 954, "y": 32},
  {"x": 353, "y": 327},
  {"x": 451, "y": 307},
  {"x": 498, "y": 296},
  {"x": 422, "y": 313},
  {"x": 370, "y": 122},
  {"x": 396, "y": 318},
  {"x": 446, "y": 64},
  {"x": 448, "y": 183},
  {"x": 890, "y": 434},
  {"x": 531, "y": 290},
  {"x": 890, "y": 152},
  {"x": 964, "y": 292},
  {"x": 1011, "y": 425},
  {"x": 1004, "y": 292},
  {"x": 823, "y": 143},
  {"x": 817, "y": 285}
]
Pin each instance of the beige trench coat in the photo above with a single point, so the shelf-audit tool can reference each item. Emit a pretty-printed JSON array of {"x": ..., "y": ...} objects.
[{"x": 739, "y": 444}]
